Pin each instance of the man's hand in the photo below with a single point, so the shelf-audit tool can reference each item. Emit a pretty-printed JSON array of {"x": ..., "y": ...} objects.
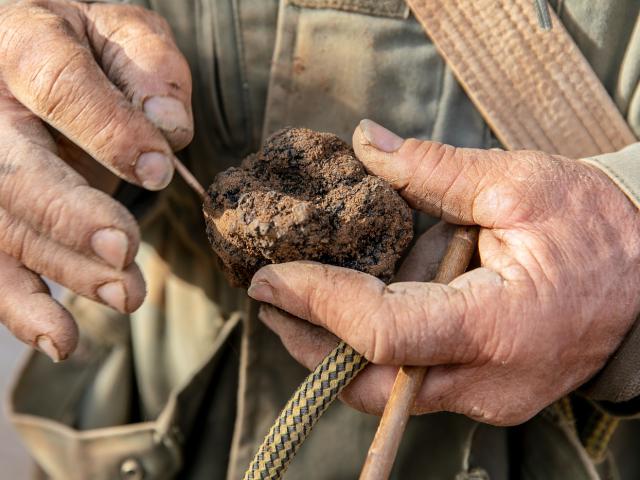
[
  {"x": 84, "y": 89},
  {"x": 556, "y": 291}
]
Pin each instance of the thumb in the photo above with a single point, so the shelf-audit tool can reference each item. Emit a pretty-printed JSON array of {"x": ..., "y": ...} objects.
[
  {"x": 459, "y": 185},
  {"x": 407, "y": 323}
]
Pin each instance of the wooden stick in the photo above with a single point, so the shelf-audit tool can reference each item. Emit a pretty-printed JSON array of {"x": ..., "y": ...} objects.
[
  {"x": 188, "y": 177},
  {"x": 384, "y": 447}
]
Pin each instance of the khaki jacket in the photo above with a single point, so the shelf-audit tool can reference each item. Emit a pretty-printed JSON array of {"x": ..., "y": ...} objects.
[{"x": 188, "y": 385}]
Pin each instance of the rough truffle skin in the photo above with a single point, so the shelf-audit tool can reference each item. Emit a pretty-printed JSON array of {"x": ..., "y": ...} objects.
[{"x": 305, "y": 197}]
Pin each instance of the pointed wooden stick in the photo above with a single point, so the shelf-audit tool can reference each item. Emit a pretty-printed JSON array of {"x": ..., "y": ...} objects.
[
  {"x": 188, "y": 177},
  {"x": 384, "y": 448}
]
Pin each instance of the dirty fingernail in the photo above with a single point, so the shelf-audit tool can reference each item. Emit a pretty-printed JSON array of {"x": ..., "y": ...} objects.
[
  {"x": 113, "y": 294},
  {"x": 261, "y": 291},
  {"x": 111, "y": 245},
  {"x": 154, "y": 170},
  {"x": 380, "y": 137},
  {"x": 46, "y": 346},
  {"x": 167, "y": 113}
]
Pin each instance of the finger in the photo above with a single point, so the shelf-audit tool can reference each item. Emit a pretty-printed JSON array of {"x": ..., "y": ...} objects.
[
  {"x": 309, "y": 345},
  {"x": 422, "y": 262},
  {"x": 66, "y": 88},
  {"x": 122, "y": 290},
  {"x": 42, "y": 190},
  {"x": 95, "y": 174},
  {"x": 459, "y": 185},
  {"x": 400, "y": 324},
  {"x": 145, "y": 63},
  {"x": 30, "y": 313},
  {"x": 462, "y": 390},
  {"x": 467, "y": 390}
]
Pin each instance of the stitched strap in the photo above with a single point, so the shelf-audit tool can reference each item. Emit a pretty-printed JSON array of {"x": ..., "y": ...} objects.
[
  {"x": 533, "y": 87},
  {"x": 597, "y": 434}
]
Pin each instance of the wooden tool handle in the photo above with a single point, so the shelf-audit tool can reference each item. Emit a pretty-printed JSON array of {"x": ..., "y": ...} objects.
[{"x": 384, "y": 448}]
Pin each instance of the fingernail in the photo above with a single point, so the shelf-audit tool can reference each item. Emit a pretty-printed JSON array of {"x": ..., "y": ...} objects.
[
  {"x": 111, "y": 245},
  {"x": 380, "y": 137},
  {"x": 261, "y": 291},
  {"x": 167, "y": 113},
  {"x": 154, "y": 170},
  {"x": 113, "y": 294},
  {"x": 46, "y": 346}
]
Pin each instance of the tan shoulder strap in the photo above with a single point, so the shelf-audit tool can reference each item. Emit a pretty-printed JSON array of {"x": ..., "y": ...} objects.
[{"x": 533, "y": 87}]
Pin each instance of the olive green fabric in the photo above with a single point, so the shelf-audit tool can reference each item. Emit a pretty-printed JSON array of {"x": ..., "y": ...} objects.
[
  {"x": 188, "y": 385},
  {"x": 622, "y": 168},
  {"x": 619, "y": 381}
]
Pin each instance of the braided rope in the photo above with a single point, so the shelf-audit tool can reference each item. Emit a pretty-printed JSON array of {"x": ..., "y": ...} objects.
[
  {"x": 302, "y": 411},
  {"x": 598, "y": 433}
]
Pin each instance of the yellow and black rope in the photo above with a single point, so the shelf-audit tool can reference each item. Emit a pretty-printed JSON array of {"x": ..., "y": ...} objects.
[{"x": 302, "y": 411}]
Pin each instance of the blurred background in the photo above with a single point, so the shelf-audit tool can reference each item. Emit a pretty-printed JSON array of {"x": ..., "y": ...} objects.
[{"x": 14, "y": 462}]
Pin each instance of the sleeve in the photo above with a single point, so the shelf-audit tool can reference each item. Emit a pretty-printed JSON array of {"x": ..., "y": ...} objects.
[
  {"x": 623, "y": 167},
  {"x": 617, "y": 385}
]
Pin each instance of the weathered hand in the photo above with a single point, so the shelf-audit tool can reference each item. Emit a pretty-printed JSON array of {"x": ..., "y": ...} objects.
[
  {"x": 554, "y": 295},
  {"x": 80, "y": 82}
]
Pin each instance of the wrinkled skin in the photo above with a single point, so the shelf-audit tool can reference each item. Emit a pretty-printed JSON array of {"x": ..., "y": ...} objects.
[
  {"x": 555, "y": 292},
  {"x": 89, "y": 94}
]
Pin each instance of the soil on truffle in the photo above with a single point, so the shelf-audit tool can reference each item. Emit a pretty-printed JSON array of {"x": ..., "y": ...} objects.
[{"x": 305, "y": 196}]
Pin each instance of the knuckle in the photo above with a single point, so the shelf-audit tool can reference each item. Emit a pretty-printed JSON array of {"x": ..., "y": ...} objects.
[
  {"x": 476, "y": 326},
  {"x": 11, "y": 235},
  {"x": 112, "y": 142},
  {"x": 381, "y": 346},
  {"x": 140, "y": 30},
  {"x": 11, "y": 192},
  {"x": 12, "y": 16},
  {"x": 379, "y": 349},
  {"x": 42, "y": 64},
  {"x": 131, "y": 18},
  {"x": 425, "y": 159},
  {"x": 28, "y": 247},
  {"x": 316, "y": 304},
  {"x": 54, "y": 214},
  {"x": 432, "y": 154},
  {"x": 17, "y": 23},
  {"x": 52, "y": 85},
  {"x": 458, "y": 338}
]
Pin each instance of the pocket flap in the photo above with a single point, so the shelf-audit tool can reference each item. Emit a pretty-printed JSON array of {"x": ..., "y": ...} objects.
[{"x": 382, "y": 8}]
